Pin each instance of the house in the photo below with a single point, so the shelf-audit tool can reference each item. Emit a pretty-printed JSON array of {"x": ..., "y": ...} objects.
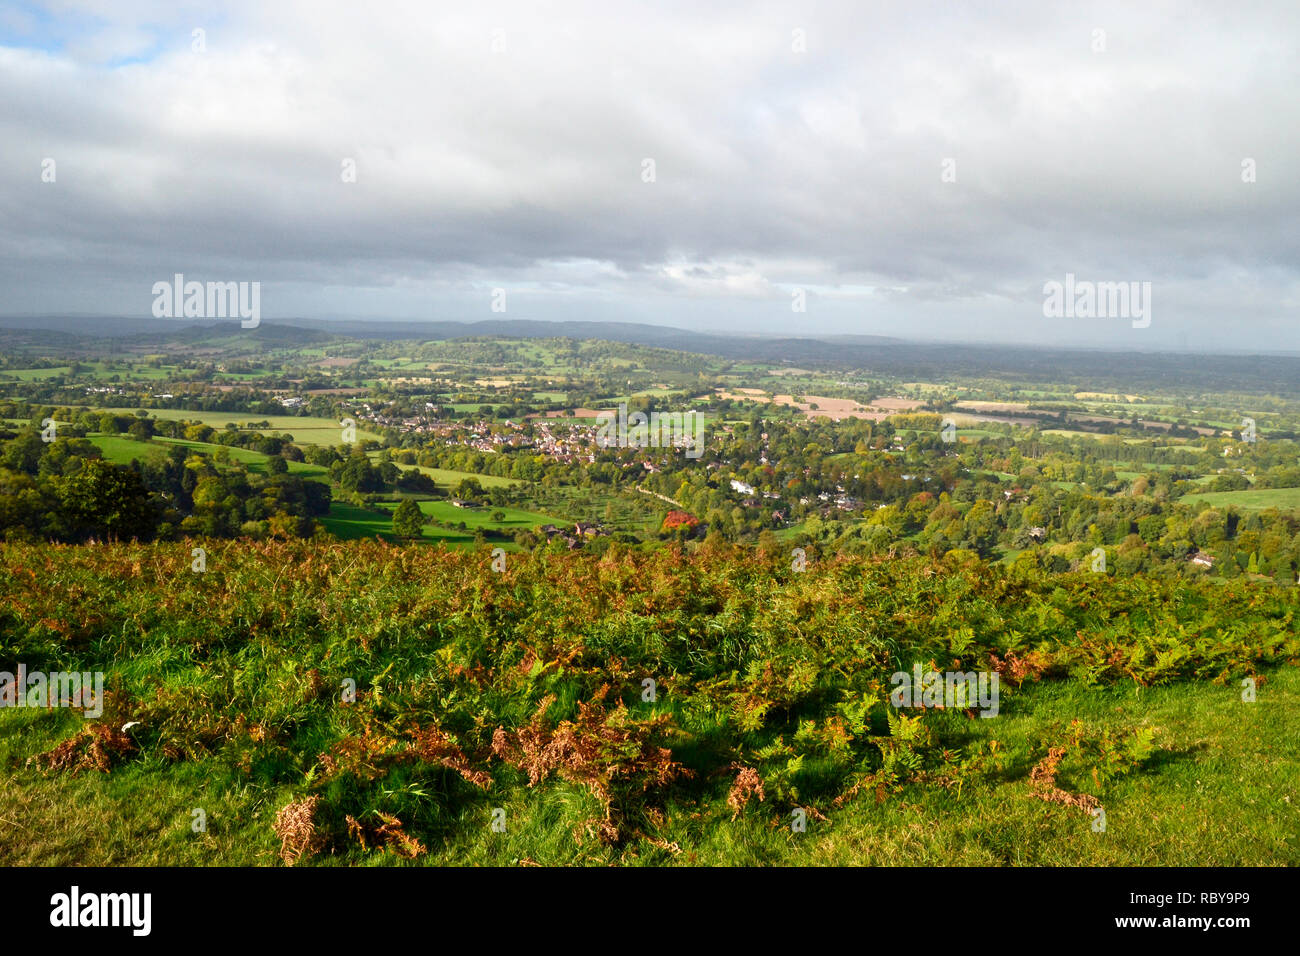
[
  {"x": 1202, "y": 560},
  {"x": 741, "y": 488}
]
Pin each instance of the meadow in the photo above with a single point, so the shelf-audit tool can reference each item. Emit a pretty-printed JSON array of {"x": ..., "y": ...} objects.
[
  {"x": 349, "y": 522},
  {"x": 1254, "y": 499},
  {"x": 121, "y": 450},
  {"x": 305, "y": 429}
]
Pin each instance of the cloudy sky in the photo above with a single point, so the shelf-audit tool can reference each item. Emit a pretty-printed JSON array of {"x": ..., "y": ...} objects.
[{"x": 918, "y": 170}]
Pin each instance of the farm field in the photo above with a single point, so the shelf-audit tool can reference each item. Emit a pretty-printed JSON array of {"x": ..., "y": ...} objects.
[
  {"x": 449, "y": 478},
  {"x": 481, "y": 517},
  {"x": 304, "y": 429},
  {"x": 1253, "y": 499},
  {"x": 32, "y": 374},
  {"x": 121, "y": 450},
  {"x": 349, "y": 522}
]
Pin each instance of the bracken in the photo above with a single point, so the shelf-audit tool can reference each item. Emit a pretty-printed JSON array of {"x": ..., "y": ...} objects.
[
  {"x": 97, "y": 747},
  {"x": 295, "y": 825}
]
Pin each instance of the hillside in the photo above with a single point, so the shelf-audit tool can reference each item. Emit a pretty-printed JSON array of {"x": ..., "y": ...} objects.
[{"x": 518, "y": 699}]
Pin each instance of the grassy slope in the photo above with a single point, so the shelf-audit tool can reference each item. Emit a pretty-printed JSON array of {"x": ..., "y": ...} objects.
[
  {"x": 436, "y": 637},
  {"x": 349, "y": 522},
  {"x": 122, "y": 450},
  {"x": 1225, "y": 795},
  {"x": 305, "y": 430},
  {"x": 448, "y": 478}
]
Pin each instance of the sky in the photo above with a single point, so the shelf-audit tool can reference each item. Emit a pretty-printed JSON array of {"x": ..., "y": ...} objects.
[{"x": 919, "y": 170}]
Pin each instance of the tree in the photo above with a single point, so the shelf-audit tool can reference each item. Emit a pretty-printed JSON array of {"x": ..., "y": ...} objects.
[
  {"x": 357, "y": 474},
  {"x": 981, "y": 527},
  {"x": 416, "y": 482},
  {"x": 107, "y": 501},
  {"x": 469, "y": 489},
  {"x": 408, "y": 520}
]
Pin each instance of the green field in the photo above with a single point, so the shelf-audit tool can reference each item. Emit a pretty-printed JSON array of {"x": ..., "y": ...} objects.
[
  {"x": 122, "y": 450},
  {"x": 33, "y": 374},
  {"x": 1254, "y": 499},
  {"x": 349, "y": 522},
  {"x": 515, "y": 518},
  {"x": 102, "y": 371},
  {"x": 305, "y": 430},
  {"x": 448, "y": 478}
]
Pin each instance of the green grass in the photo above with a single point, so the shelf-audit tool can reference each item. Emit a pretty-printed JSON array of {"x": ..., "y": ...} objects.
[
  {"x": 33, "y": 374},
  {"x": 348, "y": 522},
  {"x": 1254, "y": 499},
  {"x": 516, "y": 519},
  {"x": 306, "y": 430},
  {"x": 1215, "y": 795},
  {"x": 449, "y": 479},
  {"x": 121, "y": 450}
]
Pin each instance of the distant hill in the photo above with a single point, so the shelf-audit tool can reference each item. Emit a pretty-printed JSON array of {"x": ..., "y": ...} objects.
[
  {"x": 660, "y": 336},
  {"x": 1084, "y": 369}
]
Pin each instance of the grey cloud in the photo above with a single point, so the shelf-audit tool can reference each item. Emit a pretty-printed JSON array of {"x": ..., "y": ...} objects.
[{"x": 774, "y": 168}]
